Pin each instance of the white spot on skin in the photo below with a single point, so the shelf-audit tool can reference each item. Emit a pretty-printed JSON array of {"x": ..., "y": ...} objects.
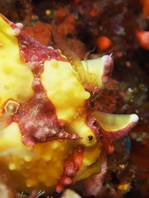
[
  {"x": 46, "y": 129},
  {"x": 65, "y": 135},
  {"x": 23, "y": 46},
  {"x": 41, "y": 123},
  {"x": 33, "y": 64},
  {"x": 105, "y": 79},
  {"x": 50, "y": 47},
  {"x": 134, "y": 118},
  {"x": 19, "y": 25},
  {"x": 17, "y": 31},
  {"x": 29, "y": 124},
  {"x": 73, "y": 136},
  {"x": 36, "y": 82},
  {"x": 53, "y": 132},
  {"x": 60, "y": 135},
  {"x": 24, "y": 43},
  {"x": 34, "y": 58}
]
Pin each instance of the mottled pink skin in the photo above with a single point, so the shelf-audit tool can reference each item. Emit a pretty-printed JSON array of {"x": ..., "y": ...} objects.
[
  {"x": 91, "y": 122},
  {"x": 108, "y": 68},
  {"x": 17, "y": 31},
  {"x": 71, "y": 165},
  {"x": 33, "y": 51},
  {"x": 38, "y": 121}
]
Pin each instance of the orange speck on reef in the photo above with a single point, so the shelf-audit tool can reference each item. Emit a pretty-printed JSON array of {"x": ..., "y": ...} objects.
[
  {"x": 94, "y": 12},
  {"x": 103, "y": 43},
  {"x": 143, "y": 39},
  {"x": 61, "y": 13},
  {"x": 41, "y": 32},
  {"x": 145, "y": 8},
  {"x": 48, "y": 12},
  {"x": 65, "y": 22}
]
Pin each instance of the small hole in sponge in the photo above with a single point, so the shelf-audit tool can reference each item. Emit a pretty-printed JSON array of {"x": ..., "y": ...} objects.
[
  {"x": 6, "y": 87},
  {"x": 7, "y": 70}
]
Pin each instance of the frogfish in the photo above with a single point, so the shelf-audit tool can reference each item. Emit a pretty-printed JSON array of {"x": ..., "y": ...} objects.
[{"x": 50, "y": 136}]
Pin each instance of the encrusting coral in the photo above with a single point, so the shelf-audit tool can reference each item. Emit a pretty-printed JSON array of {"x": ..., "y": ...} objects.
[{"x": 50, "y": 136}]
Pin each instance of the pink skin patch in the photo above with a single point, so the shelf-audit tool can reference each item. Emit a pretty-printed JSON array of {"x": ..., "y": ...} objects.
[
  {"x": 91, "y": 122},
  {"x": 17, "y": 31},
  {"x": 71, "y": 166},
  {"x": 32, "y": 51},
  {"x": 38, "y": 121},
  {"x": 105, "y": 78},
  {"x": 108, "y": 68}
]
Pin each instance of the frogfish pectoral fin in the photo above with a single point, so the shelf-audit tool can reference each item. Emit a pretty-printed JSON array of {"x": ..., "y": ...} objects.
[
  {"x": 98, "y": 72},
  {"x": 115, "y": 126}
]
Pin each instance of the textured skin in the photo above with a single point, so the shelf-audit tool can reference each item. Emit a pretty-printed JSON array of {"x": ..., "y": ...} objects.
[{"x": 49, "y": 137}]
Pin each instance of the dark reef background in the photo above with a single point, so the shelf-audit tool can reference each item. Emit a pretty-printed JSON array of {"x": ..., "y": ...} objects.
[{"x": 92, "y": 28}]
